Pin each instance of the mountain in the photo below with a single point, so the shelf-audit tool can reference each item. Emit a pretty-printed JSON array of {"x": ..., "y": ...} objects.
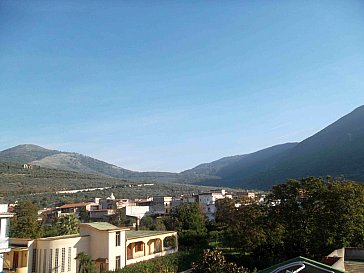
[
  {"x": 36, "y": 155},
  {"x": 26, "y": 153},
  {"x": 231, "y": 164},
  {"x": 337, "y": 150}
]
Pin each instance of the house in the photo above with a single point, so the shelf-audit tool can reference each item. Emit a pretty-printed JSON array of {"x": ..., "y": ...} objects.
[
  {"x": 108, "y": 246},
  {"x": 4, "y": 230},
  {"x": 184, "y": 199},
  {"x": 207, "y": 202},
  {"x": 162, "y": 204},
  {"x": 27, "y": 166},
  {"x": 75, "y": 209}
]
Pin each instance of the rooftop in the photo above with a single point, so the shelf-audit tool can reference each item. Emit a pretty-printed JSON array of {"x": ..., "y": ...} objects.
[
  {"x": 104, "y": 226},
  {"x": 354, "y": 266},
  {"x": 132, "y": 234},
  {"x": 67, "y": 206}
]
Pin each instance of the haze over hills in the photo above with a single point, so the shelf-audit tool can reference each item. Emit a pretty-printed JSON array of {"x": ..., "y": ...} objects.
[{"x": 337, "y": 150}]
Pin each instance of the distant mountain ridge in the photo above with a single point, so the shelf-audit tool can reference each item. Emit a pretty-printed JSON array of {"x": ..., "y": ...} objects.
[
  {"x": 36, "y": 155},
  {"x": 337, "y": 150}
]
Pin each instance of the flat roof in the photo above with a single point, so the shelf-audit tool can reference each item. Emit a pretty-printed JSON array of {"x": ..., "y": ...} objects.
[
  {"x": 61, "y": 237},
  {"x": 133, "y": 234},
  {"x": 104, "y": 226}
]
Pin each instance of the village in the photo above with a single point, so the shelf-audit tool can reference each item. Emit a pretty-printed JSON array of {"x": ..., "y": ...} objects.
[{"x": 109, "y": 246}]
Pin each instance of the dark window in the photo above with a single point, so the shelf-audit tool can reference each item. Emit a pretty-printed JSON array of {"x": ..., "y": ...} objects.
[
  {"x": 139, "y": 246},
  {"x": 44, "y": 260},
  {"x": 117, "y": 238},
  {"x": 50, "y": 261},
  {"x": 69, "y": 258},
  {"x": 34, "y": 260},
  {"x": 63, "y": 264},
  {"x": 56, "y": 260},
  {"x": 117, "y": 262}
]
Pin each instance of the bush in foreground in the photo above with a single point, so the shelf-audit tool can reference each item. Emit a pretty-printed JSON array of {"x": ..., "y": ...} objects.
[{"x": 168, "y": 264}]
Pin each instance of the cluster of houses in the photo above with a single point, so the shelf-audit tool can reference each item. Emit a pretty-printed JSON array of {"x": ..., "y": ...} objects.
[
  {"x": 101, "y": 209},
  {"x": 109, "y": 246},
  {"x": 112, "y": 247}
]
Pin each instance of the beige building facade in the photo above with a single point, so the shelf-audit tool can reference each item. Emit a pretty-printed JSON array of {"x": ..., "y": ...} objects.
[{"x": 108, "y": 246}]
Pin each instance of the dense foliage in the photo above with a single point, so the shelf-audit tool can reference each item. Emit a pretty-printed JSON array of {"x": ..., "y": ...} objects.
[
  {"x": 189, "y": 220},
  {"x": 173, "y": 263},
  {"x": 213, "y": 261},
  {"x": 85, "y": 263},
  {"x": 25, "y": 224},
  {"x": 311, "y": 217}
]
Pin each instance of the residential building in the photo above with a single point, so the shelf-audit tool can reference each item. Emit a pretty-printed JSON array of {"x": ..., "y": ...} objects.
[
  {"x": 183, "y": 199},
  {"x": 75, "y": 209},
  {"x": 108, "y": 246},
  {"x": 4, "y": 231},
  {"x": 207, "y": 202},
  {"x": 162, "y": 204}
]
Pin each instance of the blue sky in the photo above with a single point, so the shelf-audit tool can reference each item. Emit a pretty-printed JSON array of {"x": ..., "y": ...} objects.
[{"x": 166, "y": 85}]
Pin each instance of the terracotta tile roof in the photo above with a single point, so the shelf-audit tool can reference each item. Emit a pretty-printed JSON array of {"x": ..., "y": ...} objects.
[{"x": 76, "y": 205}]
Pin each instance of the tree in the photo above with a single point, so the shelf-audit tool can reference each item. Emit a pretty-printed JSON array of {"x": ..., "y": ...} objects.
[
  {"x": 25, "y": 223},
  {"x": 187, "y": 217},
  {"x": 147, "y": 222},
  {"x": 243, "y": 227},
  {"x": 119, "y": 218},
  {"x": 85, "y": 264},
  {"x": 68, "y": 224},
  {"x": 213, "y": 261},
  {"x": 189, "y": 221},
  {"x": 83, "y": 215},
  {"x": 317, "y": 215}
]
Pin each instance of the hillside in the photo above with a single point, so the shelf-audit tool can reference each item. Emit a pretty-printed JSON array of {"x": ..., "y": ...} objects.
[
  {"x": 25, "y": 153},
  {"x": 337, "y": 150},
  {"x": 74, "y": 162},
  {"x": 41, "y": 184}
]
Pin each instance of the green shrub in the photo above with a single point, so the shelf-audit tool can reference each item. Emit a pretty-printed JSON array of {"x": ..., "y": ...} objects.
[{"x": 168, "y": 264}]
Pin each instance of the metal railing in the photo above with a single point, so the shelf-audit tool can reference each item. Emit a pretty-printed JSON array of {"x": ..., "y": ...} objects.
[{"x": 302, "y": 265}]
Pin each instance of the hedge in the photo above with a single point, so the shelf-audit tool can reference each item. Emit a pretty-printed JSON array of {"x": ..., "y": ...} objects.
[{"x": 172, "y": 263}]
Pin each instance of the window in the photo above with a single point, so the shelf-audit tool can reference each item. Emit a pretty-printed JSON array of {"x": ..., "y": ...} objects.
[
  {"x": 69, "y": 259},
  {"x": 139, "y": 246},
  {"x": 117, "y": 238},
  {"x": 63, "y": 259},
  {"x": 117, "y": 262},
  {"x": 45, "y": 260},
  {"x": 39, "y": 266},
  {"x": 50, "y": 262},
  {"x": 56, "y": 260},
  {"x": 34, "y": 260}
]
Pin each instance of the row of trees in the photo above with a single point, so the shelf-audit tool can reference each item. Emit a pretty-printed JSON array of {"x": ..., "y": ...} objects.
[{"x": 311, "y": 217}]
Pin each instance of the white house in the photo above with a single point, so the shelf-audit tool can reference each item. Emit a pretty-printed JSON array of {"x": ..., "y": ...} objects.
[
  {"x": 207, "y": 202},
  {"x": 4, "y": 230}
]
